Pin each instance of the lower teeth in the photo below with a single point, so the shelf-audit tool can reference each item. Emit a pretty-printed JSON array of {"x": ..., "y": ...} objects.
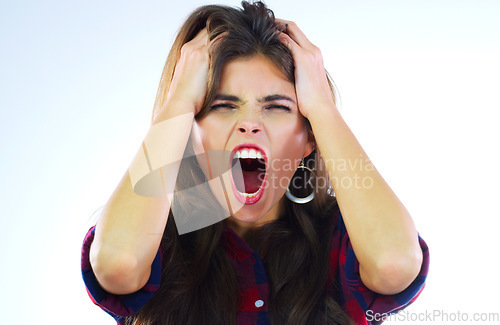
[{"x": 249, "y": 195}]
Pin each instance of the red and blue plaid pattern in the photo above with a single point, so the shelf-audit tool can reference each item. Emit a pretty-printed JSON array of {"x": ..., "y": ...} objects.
[{"x": 356, "y": 298}]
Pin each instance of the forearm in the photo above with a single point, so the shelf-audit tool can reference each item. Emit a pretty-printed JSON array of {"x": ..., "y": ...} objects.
[
  {"x": 380, "y": 228},
  {"x": 130, "y": 228},
  {"x": 382, "y": 232}
]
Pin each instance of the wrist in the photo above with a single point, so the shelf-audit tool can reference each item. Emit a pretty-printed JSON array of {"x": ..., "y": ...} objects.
[
  {"x": 322, "y": 111},
  {"x": 173, "y": 108}
]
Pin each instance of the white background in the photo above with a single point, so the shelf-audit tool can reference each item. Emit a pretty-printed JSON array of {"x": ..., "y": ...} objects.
[{"x": 419, "y": 85}]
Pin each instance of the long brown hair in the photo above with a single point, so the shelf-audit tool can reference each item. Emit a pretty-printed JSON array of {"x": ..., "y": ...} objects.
[{"x": 199, "y": 284}]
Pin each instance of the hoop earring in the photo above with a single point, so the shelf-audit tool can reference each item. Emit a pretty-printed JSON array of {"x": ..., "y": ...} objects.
[{"x": 300, "y": 200}]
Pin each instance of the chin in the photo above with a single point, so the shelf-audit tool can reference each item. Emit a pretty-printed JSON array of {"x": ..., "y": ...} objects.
[{"x": 244, "y": 215}]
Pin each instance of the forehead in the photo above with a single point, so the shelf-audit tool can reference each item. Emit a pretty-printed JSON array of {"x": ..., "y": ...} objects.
[{"x": 254, "y": 74}]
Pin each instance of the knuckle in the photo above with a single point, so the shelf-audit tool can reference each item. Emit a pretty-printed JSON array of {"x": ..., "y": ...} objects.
[
  {"x": 310, "y": 55},
  {"x": 192, "y": 52},
  {"x": 317, "y": 53},
  {"x": 186, "y": 48}
]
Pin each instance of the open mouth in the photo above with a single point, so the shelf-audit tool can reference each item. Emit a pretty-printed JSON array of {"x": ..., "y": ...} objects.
[{"x": 248, "y": 172}]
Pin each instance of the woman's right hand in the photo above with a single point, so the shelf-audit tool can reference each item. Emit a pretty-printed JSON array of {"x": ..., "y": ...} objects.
[
  {"x": 131, "y": 226},
  {"x": 189, "y": 83}
]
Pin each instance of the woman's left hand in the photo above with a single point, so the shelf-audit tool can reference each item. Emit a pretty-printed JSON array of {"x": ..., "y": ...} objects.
[
  {"x": 381, "y": 230},
  {"x": 311, "y": 83}
]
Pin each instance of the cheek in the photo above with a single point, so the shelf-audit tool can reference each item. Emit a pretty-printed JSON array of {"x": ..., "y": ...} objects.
[
  {"x": 292, "y": 134},
  {"x": 212, "y": 137},
  {"x": 288, "y": 148},
  {"x": 209, "y": 133}
]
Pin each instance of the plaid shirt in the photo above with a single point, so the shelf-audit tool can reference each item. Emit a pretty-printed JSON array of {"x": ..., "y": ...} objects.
[{"x": 356, "y": 298}]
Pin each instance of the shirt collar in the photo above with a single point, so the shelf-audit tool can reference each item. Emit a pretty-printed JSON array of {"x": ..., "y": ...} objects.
[{"x": 235, "y": 246}]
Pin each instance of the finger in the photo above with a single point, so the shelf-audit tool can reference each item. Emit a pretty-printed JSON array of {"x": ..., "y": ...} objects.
[
  {"x": 288, "y": 42},
  {"x": 282, "y": 24},
  {"x": 212, "y": 44},
  {"x": 292, "y": 30},
  {"x": 218, "y": 37},
  {"x": 200, "y": 38}
]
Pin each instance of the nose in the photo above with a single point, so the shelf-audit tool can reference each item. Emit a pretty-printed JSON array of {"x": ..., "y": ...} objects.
[{"x": 249, "y": 124}]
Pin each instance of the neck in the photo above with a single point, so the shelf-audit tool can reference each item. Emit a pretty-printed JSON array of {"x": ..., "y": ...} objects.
[{"x": 242, "y": 227}]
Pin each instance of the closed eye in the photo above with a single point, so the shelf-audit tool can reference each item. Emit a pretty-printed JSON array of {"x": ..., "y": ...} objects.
[
  {"x": 219, "y": 106},
  {"x": 279, "y": 107},
  {"x": 231, "y": 106}
]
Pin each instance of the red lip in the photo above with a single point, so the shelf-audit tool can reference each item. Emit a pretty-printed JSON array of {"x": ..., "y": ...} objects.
[
  {"x": 239, "y": 197},
  {"x": 249, "y": 146}
]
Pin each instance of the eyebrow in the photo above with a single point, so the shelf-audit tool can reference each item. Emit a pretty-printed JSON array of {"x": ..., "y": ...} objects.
[
  {"x": 269, "y": 98},
  {"x": 228, "y": 98}
]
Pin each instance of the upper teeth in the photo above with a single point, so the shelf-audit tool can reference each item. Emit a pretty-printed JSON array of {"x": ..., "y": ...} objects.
[{"x": 248, "y": 153}]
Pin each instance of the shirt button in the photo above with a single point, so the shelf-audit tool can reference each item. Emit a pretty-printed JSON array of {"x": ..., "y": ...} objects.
[{"x": 259, "y": 303}]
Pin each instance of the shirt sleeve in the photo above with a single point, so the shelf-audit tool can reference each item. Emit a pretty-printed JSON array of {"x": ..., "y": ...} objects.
[
  {"x": 362, "y": 303},
  {"x": 118, "y": 306}
]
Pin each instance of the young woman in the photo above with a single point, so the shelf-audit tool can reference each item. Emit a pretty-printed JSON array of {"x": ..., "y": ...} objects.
[{"x": 250, "y": 201}]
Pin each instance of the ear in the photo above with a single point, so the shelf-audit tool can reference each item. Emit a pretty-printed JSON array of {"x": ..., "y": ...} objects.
[{"x": 311, "y": 143}]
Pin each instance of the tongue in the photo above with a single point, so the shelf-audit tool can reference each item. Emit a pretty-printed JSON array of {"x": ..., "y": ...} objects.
[{"x": 252, "y": 181}]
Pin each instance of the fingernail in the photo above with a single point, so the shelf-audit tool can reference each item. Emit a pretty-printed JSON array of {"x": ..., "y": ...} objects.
[{"x": 282, "y": 27}]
